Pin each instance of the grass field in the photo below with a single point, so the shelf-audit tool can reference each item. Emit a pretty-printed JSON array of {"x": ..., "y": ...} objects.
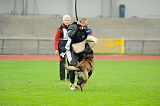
[{"x": 113, "y": 83}]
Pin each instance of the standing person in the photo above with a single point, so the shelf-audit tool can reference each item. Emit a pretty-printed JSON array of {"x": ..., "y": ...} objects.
[
  {"x": 60, "y": 41},
  {"x": 77, "y": 32}
]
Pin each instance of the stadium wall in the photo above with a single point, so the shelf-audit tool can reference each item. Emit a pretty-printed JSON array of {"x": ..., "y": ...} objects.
[{"x": 34, "y": 34}]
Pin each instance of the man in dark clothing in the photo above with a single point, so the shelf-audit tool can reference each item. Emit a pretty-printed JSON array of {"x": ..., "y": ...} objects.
[
  {"x": 60, "y": 41},
  {"x": 77, "y": 32}
]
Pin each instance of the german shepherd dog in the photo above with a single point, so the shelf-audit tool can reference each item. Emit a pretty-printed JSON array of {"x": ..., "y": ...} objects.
[{"x": 84, "y": 69}]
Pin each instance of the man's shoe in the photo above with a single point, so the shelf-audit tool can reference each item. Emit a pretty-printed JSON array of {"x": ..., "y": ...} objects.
[
  {"x": 62, "y": 80},
  {"x": 72, "y": 86}
]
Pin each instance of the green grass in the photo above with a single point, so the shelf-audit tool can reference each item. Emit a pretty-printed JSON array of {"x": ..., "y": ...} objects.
[{"x": 113, "y": 83}]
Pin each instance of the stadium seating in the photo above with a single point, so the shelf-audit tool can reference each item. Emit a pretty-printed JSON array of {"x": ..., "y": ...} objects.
[{"x": 134, "y": 30}]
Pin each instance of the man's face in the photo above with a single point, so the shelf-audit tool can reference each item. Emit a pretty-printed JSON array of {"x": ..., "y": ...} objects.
[
  {"x": 66, "y": 21},
  {"x": 84, "y": 25}
]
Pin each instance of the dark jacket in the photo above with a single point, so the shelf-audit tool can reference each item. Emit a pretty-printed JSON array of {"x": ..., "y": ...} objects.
[{"x": 75, "y": 33}]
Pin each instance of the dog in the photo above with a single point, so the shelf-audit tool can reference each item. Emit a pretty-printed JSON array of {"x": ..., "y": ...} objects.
[{"x": 84, "y": 69}]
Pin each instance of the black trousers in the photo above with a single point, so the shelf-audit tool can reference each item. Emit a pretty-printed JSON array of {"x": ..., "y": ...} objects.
[
  {"x": 76, "y": 58},
  {"x": 62, "y": 69}
]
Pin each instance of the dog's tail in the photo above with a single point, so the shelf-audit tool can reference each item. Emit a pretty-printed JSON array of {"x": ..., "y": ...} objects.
[{"x": 71, "y": 67}]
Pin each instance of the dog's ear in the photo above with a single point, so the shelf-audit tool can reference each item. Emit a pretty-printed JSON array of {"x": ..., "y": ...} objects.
[
  {"x": 86, "y": 45},
  {"x": 88, "y": 49}
]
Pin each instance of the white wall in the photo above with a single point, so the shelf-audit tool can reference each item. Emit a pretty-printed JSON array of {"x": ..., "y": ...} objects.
[
  {"x": 141, "y": 8},
  {"x": 60, "y": 7},
  {"x": 46, "y": 7},
  {"x": 89, "y": 8},
  {"x": 6, "y": 6}
]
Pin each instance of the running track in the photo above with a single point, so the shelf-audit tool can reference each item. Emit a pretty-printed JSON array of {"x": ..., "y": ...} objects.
[{"x": 97, "y": 57}]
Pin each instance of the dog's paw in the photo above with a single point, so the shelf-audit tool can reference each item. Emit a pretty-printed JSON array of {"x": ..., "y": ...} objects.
[{"x": 79, "y": 87}]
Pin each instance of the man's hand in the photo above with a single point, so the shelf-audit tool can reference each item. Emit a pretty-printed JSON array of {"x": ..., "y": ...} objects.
[
  {"x": 56, "y": 52},
  {"x": 78, "y": 23}
]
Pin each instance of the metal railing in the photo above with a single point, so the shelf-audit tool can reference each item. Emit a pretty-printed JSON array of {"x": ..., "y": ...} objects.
[
  {"x": 130, "y": 45},
  {"x": 35, "y": 39},
  {"x": 142, "y": 47}
]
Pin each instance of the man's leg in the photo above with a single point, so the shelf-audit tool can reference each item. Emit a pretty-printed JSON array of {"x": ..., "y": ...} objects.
[
  {"x": 67, "y": 75},
  {"x": 67, "y": 71},
  {"x": 73, "y": 60},
  {"x": 62, "y": 69}
]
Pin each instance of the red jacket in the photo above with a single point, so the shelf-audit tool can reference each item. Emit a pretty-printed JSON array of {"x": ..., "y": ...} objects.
[
  {"x": 56, "y": 39},
  {"x": 58, "y": 36}
]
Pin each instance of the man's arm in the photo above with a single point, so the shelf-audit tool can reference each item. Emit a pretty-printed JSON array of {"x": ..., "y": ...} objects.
[
  {"x": 72, "y": 30},
  {"x": 56, "y": 40}
]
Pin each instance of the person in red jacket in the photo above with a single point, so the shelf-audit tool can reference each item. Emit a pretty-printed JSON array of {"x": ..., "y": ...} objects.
[{"x": 60, "y": 41}]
